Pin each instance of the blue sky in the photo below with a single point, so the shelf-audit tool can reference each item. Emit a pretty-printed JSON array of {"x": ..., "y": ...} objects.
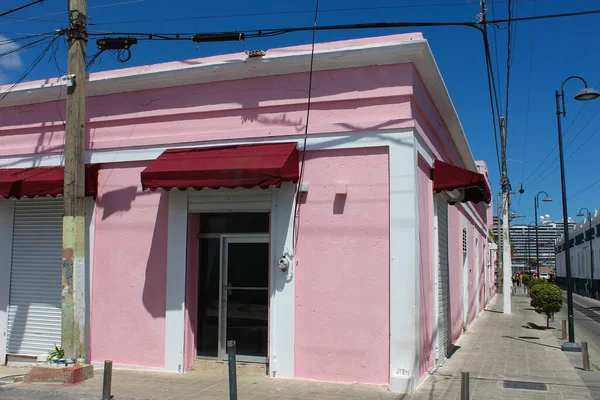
[{"x": 561, "y": 48}]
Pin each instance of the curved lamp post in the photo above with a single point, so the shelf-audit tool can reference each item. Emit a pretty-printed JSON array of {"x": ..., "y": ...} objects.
[
  {"x": 529, "y": 226},
  {"x": 589, "y": 216},
  {"x": 536, "y": 204},
  {"x": 583, "y": 95}
]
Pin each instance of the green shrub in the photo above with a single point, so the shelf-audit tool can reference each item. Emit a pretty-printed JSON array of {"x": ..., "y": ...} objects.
[
  {"x": 546, "y": 299},
  {"x": 525, "y": 278},
  {"x": 537, "y": 281}
]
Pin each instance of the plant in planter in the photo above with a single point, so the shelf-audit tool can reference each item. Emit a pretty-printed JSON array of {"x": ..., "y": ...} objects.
[
  {"x": 546, "y": 299},
  {"x": 57, "y": 354},
  {"x": 536, "y": 281}
]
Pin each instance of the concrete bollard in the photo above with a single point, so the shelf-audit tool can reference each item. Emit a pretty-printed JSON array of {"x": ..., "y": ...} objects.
[
  {"x": 464, "y": 386},
  {"x": 564, "y": 329},
  {"x": 232, "y": 370},
  {"x": 107, "y": 381},
  {"x": 585, "y": 355}
]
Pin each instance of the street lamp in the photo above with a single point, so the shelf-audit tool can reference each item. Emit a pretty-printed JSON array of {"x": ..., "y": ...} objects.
[
  {"x": 589, "y": 216},
  {"x": 536, "y": 204},
  {"x": 529, "y": 226},
  {"x": 583, "y": 95}
]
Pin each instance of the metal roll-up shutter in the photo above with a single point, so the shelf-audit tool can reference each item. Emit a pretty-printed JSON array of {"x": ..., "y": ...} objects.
[
  {"x": 443, "y": 278},
  {"x": 229, "y": 200},
  {"x": 34, "y": 313}
]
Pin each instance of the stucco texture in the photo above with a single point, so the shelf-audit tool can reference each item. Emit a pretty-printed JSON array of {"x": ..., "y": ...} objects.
[
  {"x": 342, "y": 272},
  {"x": 130, "y": 257}
]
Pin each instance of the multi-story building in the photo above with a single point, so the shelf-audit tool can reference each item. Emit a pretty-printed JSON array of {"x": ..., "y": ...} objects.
[
  {"x": 581, "y": 237},
  {"x": 523, "y": 242}
]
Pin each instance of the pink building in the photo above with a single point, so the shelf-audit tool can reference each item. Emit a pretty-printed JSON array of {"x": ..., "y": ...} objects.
[{"x": 195, "y": 202}]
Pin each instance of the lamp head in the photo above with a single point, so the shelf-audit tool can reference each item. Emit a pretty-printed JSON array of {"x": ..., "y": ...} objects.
[
  {"x": 547, "y": 199},
  {"x": 587, "y": 94},
  {"x": 579, "y": 214}
]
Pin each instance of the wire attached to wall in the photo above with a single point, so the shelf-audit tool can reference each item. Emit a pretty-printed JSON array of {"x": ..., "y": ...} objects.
[{"x": 302, "y": 161}]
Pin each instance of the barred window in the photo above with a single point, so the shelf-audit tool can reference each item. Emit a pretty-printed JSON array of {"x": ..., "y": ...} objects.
[{"x": 464, "y": 240}]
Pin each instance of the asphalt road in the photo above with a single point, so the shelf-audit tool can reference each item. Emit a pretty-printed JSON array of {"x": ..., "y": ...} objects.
[{"x": 587, "y": 329}]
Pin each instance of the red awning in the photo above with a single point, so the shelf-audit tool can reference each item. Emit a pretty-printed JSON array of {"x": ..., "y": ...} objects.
[
  {"x": 42, "y": 181},
  {"x": 471, "y": 186},
  {"x": 246, "y": 166}
]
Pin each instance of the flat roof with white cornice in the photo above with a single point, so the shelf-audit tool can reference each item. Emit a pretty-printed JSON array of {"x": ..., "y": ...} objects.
[{"x": 385, "y": 50}]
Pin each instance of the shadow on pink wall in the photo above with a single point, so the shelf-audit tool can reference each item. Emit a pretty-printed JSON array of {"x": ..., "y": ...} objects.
[
  {"x": 154, "y": 295},
  {"x": 129, "y": 276}
]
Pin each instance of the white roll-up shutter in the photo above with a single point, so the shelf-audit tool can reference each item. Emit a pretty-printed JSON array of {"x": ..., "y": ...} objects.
[
  {"x": 229, "y": 200},
  {"x": 34, "y": 313},
  {"x": 443, "y": 277}
]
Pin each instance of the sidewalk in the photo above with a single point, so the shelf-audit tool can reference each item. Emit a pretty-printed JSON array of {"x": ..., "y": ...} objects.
[
  {"x": 587, "y": 329},
  {"x": 496, "y": 348},
  {"x": 499, "y": 348}
]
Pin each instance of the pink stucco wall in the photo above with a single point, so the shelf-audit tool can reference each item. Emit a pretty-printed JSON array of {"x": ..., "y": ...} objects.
[
  {"x": 472, "y": 289},
  {"x": 342, "y": 276},
  {"x": 370, "y": 98},
  {"x": 130, "y": 257},
  {"x": 455, "y": 265},
  {"x": 426, "y": 305}
]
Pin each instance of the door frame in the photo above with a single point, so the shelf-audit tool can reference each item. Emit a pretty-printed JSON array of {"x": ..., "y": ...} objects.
[{"x": 227, "y": 238}]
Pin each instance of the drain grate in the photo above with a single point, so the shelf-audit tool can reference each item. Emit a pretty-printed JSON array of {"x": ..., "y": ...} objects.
[{"x": 525, "y": 385}]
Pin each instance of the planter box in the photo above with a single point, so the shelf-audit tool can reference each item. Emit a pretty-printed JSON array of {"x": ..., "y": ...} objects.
[{"x": 70, "y": 374}]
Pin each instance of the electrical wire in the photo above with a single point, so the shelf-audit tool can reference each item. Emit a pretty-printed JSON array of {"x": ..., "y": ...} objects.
[
  {"x": 278, "y": 13},
  {"x": 543, "y": 175},
  {"x": 308, "y": 103},
  {"x": 4, "y": 14},
  {"x": 496, "y": 46},
  {"x": 508, "y": 63},
  {"x": 491, "y": 83},
  {"x": 24, "y": 47},
  {"x": 39, "y": 18},
  {"x": 583, "y": 190},
  {"x": 528, "y": 103},
  {"x": 31, "y": 67},
  {"x": 260, "y": 33}
]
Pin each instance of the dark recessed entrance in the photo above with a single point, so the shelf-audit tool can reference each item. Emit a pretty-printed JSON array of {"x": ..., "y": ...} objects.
[{"x": 233, "y": 289}]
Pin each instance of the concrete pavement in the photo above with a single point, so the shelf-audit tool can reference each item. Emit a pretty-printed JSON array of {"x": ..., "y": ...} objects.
[{"x": 498, "y": 350}]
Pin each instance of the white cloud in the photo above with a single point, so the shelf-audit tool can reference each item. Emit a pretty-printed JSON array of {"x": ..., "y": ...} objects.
[{"x": 10, "y": 61}]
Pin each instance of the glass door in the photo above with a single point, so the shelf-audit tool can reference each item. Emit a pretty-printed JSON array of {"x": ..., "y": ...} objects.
[{"x": 245, "y": 296}]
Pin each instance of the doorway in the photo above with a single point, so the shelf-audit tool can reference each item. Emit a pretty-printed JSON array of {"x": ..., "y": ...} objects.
[{"x": 233, "y": 285}]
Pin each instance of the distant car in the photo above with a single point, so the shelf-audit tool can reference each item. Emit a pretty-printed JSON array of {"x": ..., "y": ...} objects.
[{"x": 544, "y": 275}]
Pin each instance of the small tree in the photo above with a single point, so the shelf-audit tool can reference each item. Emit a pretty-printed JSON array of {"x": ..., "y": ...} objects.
[
  {"x": 536, "y": 281},
  {"x": 525, "y": 278},
  {"x": 546, "y": 299}
]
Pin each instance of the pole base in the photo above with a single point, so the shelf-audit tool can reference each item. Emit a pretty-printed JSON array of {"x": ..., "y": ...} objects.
[{"x": 570, "y": 346}]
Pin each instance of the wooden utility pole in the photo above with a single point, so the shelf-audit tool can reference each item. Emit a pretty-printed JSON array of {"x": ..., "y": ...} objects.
[
  {"x": 73, "y": 253},
  {"x": 506, "y": 257}
]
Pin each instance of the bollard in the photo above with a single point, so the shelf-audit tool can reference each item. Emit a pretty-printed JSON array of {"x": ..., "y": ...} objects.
[
  {"x": 585, "y": 355},
  {"x": 232, "y": 370},
  {"x": 464, "y": 386},
  {"x": 564, "y": 329},
  {"x": 107, "y": 382}
]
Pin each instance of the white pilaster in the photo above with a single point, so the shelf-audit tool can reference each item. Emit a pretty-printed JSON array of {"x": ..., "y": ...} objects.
[
  {"x": 404, "y": 270},
  {"x": 282, "y": 285},
  {"x": 176, "y": 263}
]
